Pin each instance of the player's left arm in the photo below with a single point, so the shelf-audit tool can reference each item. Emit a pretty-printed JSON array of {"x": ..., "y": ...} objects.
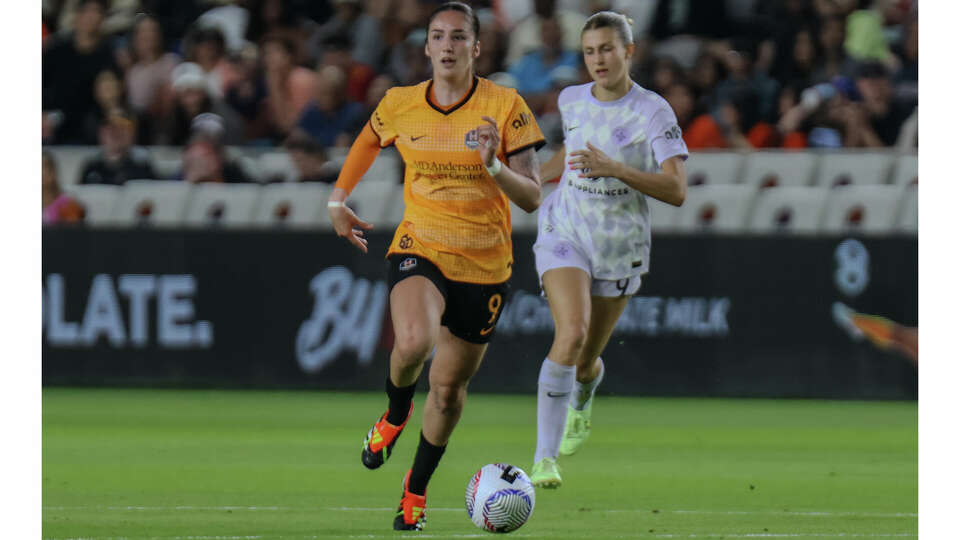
[{"x": 519, "y": 178}]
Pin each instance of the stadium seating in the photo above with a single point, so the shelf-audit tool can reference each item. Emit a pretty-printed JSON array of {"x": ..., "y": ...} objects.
[
  {"x": 277, "y": 166},
  {"x": 663, "y": 216},
  {"x": 167, "y": 160},
  {"x": 371, "y": 200},
  {"x": 159, "y": 203},
  {"x": 776, "y": 168},
  {"x": 790, "y": 209},
  {"x": 861, "y": 209},
  {"x": 70, "y": 161},
  {"x": 293, "y": 204},
  {"x": 906, "y": 170},
  {"x": 856, "y": 168},
  {"x": 714, "y": 168},
  {"x": 716, "y": 208},
  {"x": 386, "y": 168},
  {"x": 226, "y": 205},
  {"x": 907, "y": 214},
  {"x": 97, "y": 202}
]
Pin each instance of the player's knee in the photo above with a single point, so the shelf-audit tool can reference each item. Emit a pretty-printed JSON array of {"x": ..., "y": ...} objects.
[
  {"x": 448, "y": 398},
  {"x": 412, "y": 345},
  {"x": 570, "y": 339}
]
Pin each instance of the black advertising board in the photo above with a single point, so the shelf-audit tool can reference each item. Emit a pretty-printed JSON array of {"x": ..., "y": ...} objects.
[{"x": 716, "y": 316}]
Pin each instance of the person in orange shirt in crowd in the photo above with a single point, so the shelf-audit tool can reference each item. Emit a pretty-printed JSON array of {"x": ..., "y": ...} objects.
[{"x": 469, "y": 147}]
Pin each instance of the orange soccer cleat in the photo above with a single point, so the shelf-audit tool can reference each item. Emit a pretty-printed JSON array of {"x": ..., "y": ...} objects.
[
  {"x": 412, "y": 512},
  {"x": 380, "y": 440}
]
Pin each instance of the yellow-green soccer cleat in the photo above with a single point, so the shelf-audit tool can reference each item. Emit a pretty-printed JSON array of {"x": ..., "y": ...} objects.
[
  {"x": 577, "y": 429},
  {"x": 546, "y": 474}
]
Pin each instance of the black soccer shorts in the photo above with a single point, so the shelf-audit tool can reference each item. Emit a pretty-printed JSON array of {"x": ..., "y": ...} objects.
[{"x": 472, "y": 310}]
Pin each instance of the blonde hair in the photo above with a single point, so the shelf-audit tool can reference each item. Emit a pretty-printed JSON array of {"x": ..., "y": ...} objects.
[{"x": 611, "y": 19}]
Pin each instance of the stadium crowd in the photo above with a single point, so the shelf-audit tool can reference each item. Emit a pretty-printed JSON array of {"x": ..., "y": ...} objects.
[{"x": 306, "y": 74}]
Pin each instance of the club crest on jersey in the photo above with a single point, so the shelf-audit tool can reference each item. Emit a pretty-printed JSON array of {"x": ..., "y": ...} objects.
[
  {"x": 472, "y": 140},
  {"x": 408, "y": 264}
]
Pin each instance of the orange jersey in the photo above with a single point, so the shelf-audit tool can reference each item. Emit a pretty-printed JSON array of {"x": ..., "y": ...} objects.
[{"x": 456, "y": 215}]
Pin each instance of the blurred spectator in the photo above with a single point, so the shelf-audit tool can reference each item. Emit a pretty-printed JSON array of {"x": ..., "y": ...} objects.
[
  {"x": 205, "y": 158},
  {"x": 108, "y": 95},
  {"x": 905, "y": 80},
  {"x": 149, "y": 76},
  {"x": 492, "y": 45},
  {"x": 174, "y": 16},
  {"x": 525, "y": 36},
  {"x": 329, "y": 118},
  {"x": 758, "y": 92},
  {"x": 705, "y": 76},
  {"x": 310, "y": 159},
  {"x": 353, "y": 18},
  {"x": 532, "y": 72},
  {"x": 118, "y": 15},
  {"x": 798, "y": 65},
  {"x": 289, "y": 88},
  {"x": 206, "y": 47},
  {"x": 58, "y": 207},
  {"x": 680, "y": 98},
  {"x": 833, "y": 60},
  {"x": 665, "y": 74},
  {"x": 70, "y": 66},
  {"x": 275, "y": 18},
  {"x": 865, "y": 39},
  {"x": 877, "y": 117},
  {"x": 118, "y": 160},
  {"x": 191, "y": 99},
  {"x": 336, "y": 52},
  {"x": 378, "y": 88},
  {"x": 407, "y": 63}
]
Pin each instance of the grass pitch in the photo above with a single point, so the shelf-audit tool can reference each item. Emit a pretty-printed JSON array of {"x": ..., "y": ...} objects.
[{"x": 254, "y": 464}]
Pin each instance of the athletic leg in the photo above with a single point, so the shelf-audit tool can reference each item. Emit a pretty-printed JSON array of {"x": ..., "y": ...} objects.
[
  {"x": 604, "y": 313},
  {"x": 416, "y": 306},
  {"x": 453, "y": 365},
  {"x": 568, "y": 292}
]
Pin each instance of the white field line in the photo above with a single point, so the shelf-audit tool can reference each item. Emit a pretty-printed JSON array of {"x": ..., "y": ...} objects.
[
  {"x": 811, "y": 513},
  {"x": 791, "y": 535},
  {"x": 257, "y": 537}
]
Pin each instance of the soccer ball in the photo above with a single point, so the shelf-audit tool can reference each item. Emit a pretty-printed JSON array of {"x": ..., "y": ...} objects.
[{"x": 500, "y": 498}]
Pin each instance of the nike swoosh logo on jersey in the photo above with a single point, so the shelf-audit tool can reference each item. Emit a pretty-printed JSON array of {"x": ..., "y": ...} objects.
[
  {"x": 572, "y": 128},
  {"x": 412, "y": 138},
  {"x": 558, "y": 394}
]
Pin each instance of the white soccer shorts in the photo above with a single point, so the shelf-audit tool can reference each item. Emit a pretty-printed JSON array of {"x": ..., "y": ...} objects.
[{"x": 552, "y": 251}]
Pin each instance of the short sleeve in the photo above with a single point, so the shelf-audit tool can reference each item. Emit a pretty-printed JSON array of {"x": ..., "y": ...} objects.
[
  {"x": 521, "y": 130},
  {"x": 382, "y": 121},
  {"x": 666, "y": 137}
]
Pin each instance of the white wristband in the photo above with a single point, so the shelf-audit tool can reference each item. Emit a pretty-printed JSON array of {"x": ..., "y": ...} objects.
[
  {"x": 335, "y": 204},
  {"x": 494, "y": 169}
]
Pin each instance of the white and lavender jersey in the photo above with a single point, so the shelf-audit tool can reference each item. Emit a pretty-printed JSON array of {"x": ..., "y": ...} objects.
[{"x": 607, "y": 219}]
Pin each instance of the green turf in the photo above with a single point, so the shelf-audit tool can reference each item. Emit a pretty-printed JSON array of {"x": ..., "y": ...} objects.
[{"x": 232, "y": 464}]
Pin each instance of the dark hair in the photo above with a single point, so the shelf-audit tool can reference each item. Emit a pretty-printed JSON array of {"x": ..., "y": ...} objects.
[
  {"x": 462, "y": 8},
  {"x": 611, "y": 19},
  {"x": 201, "y": 34}
]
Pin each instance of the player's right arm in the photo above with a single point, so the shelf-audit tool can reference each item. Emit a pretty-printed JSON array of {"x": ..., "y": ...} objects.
[
  {"x": 362, "y": 154},
  {"x": 554, "y": 166}
]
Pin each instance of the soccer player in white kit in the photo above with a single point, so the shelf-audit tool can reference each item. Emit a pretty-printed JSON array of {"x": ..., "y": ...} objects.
[{"x": 622, "y": 144}]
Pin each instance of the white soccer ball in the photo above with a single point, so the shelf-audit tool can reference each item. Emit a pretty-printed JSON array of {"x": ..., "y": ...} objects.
[{"x": 500, "y": 498}]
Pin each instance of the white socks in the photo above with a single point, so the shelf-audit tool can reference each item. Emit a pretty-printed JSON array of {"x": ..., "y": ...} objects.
[
  {"x": 553, "y": 395},
  {"x": 583, "y": 392}
]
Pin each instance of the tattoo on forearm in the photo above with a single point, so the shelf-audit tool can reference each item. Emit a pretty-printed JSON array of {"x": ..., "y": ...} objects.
[{"x": 526, "y": 163}]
